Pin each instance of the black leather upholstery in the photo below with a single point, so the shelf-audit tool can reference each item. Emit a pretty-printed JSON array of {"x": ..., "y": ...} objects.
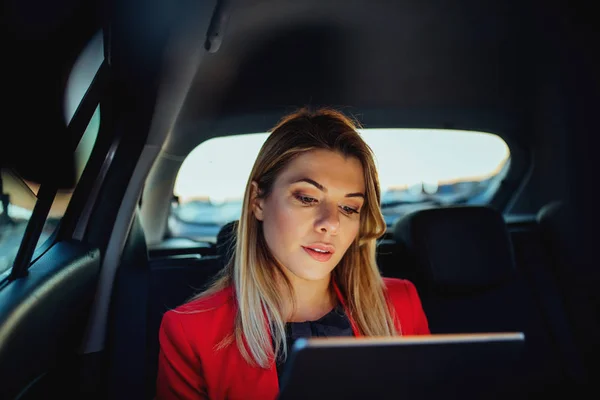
[
  {"x": 144, "y": 290},
  {"x": 42, "y": 318},
  {"x": 226, "y": 241},
  {"x": 465, "y": 273},
  {"x": 458, "y": 248},
  {"x": 128, "y": 322},
  {"x": 578, "y": 285}
]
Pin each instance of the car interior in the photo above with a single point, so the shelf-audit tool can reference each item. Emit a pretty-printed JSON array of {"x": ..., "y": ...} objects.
[{"x": 109, "y": 98}]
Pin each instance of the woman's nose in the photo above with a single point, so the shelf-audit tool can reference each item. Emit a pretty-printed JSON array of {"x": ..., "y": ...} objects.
[{"x": 328, "y": 220}]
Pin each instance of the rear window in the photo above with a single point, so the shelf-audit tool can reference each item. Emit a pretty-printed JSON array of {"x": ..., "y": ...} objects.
[{"x": 418, "y": 168}]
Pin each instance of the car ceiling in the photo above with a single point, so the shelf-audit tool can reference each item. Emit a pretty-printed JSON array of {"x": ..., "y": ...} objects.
[
  {"x": 392, "y": 63},
  {"x": 490, "y": 66},
  {"x": 464, "y": 64}
]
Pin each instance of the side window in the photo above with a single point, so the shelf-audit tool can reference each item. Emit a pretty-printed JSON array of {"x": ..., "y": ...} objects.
[
  {"x": 418, "y": 168},
  {"x": 63, "y": 197},
  {"x": 18, "y": 201},
  {"x": 18, "y": 197}
]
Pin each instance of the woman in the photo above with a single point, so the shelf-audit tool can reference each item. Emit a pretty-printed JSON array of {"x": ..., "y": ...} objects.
[{"x": 304, "y": 265}]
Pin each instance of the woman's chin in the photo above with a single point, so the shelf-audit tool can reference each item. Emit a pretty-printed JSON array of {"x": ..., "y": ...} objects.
[{"x": 313, "y": 274}]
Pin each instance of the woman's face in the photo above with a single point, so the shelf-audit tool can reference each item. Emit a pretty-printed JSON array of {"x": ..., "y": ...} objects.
[{"x": 312, "y": 214}]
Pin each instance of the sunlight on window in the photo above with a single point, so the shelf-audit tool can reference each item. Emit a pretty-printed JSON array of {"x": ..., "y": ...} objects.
[
  {"x": 418, "y": 161},
  {"x": 82, "y": 74}
]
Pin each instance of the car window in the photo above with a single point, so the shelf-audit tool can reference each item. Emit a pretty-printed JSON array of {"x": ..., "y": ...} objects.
[
  {"x": 17, "y": 201},
  {"x": 19, "y": 196},
  {"x": 80, "y": 158},
  {"x": 418, "y": 168}
]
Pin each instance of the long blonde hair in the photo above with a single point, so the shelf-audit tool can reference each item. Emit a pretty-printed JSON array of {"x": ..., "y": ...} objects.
[{"x": 253, "y": 272}]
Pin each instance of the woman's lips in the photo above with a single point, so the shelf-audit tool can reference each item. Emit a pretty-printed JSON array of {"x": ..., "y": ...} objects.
[{"x": 322, "y": 257}]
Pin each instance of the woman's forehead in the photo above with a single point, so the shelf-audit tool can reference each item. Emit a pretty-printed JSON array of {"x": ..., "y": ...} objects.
[{"x": 331, "y": 170}]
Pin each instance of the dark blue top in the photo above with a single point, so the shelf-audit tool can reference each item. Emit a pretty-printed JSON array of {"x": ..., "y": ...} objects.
[{"x": 334, "y": 323}]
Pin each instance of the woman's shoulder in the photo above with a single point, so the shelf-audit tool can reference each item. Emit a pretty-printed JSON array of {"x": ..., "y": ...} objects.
[
  {"x": 208, "y": 314},
  {"x": 402, "y": 293},
  {"x": 404, "y": 298},
  {"x": 214, "y": 301},
  {"x": 399, "y": 287}
]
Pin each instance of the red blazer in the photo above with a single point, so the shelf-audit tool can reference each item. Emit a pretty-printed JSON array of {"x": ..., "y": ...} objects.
[{"x": 190, "y": 368}]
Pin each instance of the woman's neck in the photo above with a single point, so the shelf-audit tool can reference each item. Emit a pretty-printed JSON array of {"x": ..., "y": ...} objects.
[{"x": 313, "y": 299}]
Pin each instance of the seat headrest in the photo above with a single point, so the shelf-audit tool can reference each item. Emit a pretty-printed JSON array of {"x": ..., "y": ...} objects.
[
  {"x": 226, "y": 240},
  {"x": 459, "y": 248}
]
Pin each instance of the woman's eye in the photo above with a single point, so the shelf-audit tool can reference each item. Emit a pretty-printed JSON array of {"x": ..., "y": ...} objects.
[
  {"x": 349, "y": 210},
  {"x": 305, "y": 199}
]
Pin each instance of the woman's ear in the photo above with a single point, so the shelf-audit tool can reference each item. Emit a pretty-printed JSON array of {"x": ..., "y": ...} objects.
[{"x": 256, "y": 202}]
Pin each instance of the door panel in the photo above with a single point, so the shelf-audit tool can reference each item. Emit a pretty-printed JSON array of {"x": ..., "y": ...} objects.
[{"x": 42, "y": 318}]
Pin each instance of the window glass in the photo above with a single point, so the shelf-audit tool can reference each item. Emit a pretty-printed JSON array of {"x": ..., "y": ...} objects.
[
  {"x": 80, "y": 157},
  {"x": 83, "y": 73},
  {"x": 19, "y": 196},
  {"x": 17, "y": 201},
  {"x": 418, "y": 168}
]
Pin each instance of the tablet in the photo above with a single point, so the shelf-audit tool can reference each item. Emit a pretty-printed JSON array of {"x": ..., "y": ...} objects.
[{"x": 438, "y": 366}]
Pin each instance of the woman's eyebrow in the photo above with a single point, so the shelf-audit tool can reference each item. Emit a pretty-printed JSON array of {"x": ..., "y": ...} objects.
[{"x": 324, "y": 189}]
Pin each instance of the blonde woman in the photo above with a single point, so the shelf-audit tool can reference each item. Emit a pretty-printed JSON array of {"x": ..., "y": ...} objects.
[{"x": 304, "y": 265}]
